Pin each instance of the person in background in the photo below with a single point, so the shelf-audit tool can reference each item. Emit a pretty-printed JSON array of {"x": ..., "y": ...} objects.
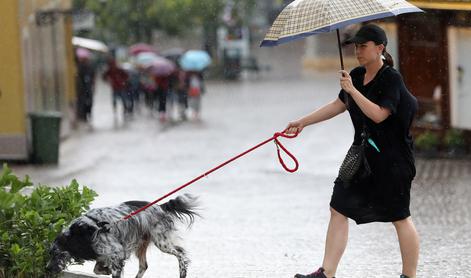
[
  {"x": 85, "y": 84},
  {"x": 118, "y": 79},
  {"x": 182, "y": 93},
  {"x": 195, "y": 90},
  {"x": 134, "y": 86},
  {"x": 161, "y": 94}
]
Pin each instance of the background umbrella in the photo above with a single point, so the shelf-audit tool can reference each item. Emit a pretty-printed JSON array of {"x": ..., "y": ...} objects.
[
  {"x": 195, "y": 60},
  {"x": 173, "y": 54},
  {"x": 138, "y": 48},
  {"x": 145, "y": 59},
  {"x": 83, "y": 53},
  {"x": 303, "y": 18},
  {"x": 162, "y": 67},
  {"x": 89, "y": 44}
]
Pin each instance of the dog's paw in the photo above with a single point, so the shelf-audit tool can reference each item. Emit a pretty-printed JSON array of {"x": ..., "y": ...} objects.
[{"x": 101, "y": 269}]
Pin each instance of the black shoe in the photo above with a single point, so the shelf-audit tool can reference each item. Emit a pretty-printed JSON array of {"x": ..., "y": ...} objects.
[
  {"x": 403, "y": 276},
  {"x": 317, "y": 274}
]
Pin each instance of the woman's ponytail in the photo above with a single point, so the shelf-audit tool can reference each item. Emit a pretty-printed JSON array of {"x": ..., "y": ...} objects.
[{"x": 388, "y": 59}]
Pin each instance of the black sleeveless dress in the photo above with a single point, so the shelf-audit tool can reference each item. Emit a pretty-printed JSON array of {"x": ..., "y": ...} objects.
[{"x": 384, "y": 196}]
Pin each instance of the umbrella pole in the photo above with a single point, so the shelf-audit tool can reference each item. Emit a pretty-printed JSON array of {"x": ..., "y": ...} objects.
[
  {"x": 340, "y": 49},
  {"x": 341, "y": 64}
]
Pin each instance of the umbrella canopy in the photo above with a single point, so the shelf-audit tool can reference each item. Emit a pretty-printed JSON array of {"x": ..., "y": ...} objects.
[
  {"x": 303, "y": 18},
  {"x": 173, "y": 54},
  {"x": 145, "y": 59},
  {"x": 89, "y": 44},
  {"x": 195, "y": 60},
  {"x": 83, "y": 53},
  {"x": 162, "y": 67},
  {"x": 138, "y": 48}
]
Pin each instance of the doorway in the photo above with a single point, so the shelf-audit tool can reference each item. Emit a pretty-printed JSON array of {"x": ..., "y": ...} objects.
[{"x": 460, "y": 76}]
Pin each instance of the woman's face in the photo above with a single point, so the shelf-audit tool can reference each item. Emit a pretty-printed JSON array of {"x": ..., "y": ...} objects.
[{"x": 368, "y": 52}]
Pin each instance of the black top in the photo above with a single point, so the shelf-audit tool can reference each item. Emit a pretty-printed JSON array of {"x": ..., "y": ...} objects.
[
  {"x": 387, "y": 89},
  {"x": 392, "y": 167}
]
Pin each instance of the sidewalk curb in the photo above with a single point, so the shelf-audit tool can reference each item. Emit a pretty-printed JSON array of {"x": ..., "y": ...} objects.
[{"x": 75, "y": 274}]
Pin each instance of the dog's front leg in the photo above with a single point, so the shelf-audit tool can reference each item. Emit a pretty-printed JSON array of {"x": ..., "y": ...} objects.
[
  {"x": 111, "y": 253},
  {"x": 116, "y": 274},
  {"x": 117, "y": 266},
  {"x": 101, "y": 269}
]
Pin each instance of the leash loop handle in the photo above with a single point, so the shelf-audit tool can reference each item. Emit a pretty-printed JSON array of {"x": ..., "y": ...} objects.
[{"x": 279, "y": 145}]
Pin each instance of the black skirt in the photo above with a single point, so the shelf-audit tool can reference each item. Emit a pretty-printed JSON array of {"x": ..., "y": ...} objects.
[{"x": 382, "y": 197}]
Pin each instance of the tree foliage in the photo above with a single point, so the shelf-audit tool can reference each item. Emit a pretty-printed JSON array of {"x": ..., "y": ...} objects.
[{"x": 129, "y": 21}]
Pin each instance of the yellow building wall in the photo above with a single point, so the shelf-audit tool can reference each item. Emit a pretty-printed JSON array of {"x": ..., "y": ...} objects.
[
  {"x": 71, "y": 70},
  {"x": 12, "y": 108},
  {"x": 28, "y": 78}
]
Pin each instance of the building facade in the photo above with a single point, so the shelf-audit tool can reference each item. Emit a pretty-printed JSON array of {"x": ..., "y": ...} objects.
[
  {"x": 436, "y": 62},
  {"x": 430, "y": 49},
  {"x": 36, "y": 69}
]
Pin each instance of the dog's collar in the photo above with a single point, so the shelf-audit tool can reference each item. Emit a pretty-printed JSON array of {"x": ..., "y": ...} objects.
[{"x": 103, "y": 225}]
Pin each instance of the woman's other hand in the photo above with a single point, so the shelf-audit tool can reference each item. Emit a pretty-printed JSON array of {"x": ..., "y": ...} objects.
[{"x": 294, "y": 127}]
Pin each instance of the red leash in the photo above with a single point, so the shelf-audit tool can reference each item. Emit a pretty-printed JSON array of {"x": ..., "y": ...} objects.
[{"x": 278, "y": 146}]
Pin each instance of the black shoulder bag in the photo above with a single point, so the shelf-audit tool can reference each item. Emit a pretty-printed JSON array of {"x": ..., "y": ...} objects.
[{"x": 355, "y": 164}]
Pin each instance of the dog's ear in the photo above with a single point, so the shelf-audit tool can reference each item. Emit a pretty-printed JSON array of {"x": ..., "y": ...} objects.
[
  {"x": 82, "y": 229},
  {"x": 61, "y": 239}
]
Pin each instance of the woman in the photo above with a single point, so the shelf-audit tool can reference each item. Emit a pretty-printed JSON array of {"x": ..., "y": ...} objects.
[
  {"x": 85, "y": 84},
  {"x": 382, "y": 109}
]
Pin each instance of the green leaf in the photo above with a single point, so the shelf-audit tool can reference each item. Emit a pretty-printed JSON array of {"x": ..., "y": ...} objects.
[{"x": 15, "y": 249}]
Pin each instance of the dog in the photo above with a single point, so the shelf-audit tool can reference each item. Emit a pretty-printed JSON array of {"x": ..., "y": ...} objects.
[{"x": 103, "y": 236}]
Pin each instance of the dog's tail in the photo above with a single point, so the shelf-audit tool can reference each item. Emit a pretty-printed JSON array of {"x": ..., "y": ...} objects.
[{"x": 183, "y": 207}]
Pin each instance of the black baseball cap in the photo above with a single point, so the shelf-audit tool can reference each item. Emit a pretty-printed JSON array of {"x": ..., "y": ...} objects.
[{"x": 369, "y": 32}]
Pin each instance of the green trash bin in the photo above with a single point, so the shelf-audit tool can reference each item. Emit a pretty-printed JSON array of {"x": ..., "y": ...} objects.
[{"x": 45, "y": 131}]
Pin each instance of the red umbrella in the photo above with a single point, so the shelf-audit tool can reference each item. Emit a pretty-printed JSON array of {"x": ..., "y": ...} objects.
[
  {"x": 83, "y": 53},
  {"x": 162, "y": 67},
  {"x": 141, "y": 47}
]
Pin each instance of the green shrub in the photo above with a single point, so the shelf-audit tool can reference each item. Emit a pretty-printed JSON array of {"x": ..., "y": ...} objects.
[
  {"x": 427, "y": 141},
  {"x": 454, "y": 138},
  {"x": 30, "y": 219}
]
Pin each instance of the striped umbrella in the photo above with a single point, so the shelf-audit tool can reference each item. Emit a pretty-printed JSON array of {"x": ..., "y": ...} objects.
[{"x": 303, "y": 18}]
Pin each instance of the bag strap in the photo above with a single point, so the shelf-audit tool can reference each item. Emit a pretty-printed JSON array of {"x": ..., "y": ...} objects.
[{"x": 365, "y": 133}]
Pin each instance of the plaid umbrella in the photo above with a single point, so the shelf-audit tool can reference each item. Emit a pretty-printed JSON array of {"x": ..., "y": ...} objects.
[{"x": 303, "y": 18}]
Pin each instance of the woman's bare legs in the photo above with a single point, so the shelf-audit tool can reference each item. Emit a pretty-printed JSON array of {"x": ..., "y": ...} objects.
[
  {"x": 336, "y": 241},
  {"x": 409, "y": 244}
]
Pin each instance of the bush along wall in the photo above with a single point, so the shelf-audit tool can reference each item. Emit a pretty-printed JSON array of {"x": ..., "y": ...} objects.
[{"x": 30, "y": 219}]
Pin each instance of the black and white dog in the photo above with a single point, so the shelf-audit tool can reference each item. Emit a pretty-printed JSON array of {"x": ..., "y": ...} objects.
[{"x": 102, "y": 236}]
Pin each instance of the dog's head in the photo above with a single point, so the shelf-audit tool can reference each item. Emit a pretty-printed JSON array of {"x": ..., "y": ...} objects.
[
  {"x": 75, "y": 243},
  {"x": 59, "y": 256}
]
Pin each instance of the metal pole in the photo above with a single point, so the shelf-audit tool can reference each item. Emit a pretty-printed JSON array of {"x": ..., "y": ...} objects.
[
  {"x": 340, "y": 49},
  {"x": 341, "y": 65}
]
